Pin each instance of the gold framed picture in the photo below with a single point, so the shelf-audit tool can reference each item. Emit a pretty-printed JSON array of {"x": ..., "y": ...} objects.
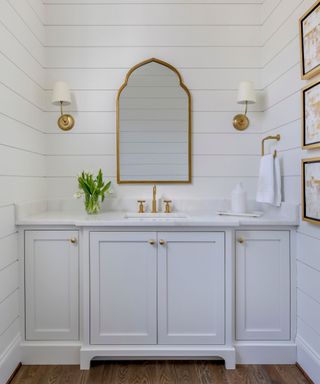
[
  {"x": 309, "y": 25},
  {"x": 311, "y": 190},
  {"x": 311, "y": 116}
]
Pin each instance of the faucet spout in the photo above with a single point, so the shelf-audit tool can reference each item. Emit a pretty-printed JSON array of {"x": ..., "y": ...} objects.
[{"x": 154, "y": 199}]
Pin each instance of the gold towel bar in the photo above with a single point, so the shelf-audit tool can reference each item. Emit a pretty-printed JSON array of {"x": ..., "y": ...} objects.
[{"x": 277, "y": 137}]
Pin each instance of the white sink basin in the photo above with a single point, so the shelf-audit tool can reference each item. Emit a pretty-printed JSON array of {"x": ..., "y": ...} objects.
[{"x": 155, "y": 216}]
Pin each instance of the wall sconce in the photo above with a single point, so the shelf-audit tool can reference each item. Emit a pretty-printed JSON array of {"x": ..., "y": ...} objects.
[
  {"x": 246, "y": 95},
  {"x": 61, "y": 96}
]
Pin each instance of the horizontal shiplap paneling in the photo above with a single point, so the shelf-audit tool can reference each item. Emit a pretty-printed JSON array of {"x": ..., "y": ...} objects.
[
  {"x": 282, "y": 82},
  {"x": 16, "y": 26},
  {"x": 154, "y": 14},
  {"x": 153, "y": 36},
  {"x": 19, "y": 56},
  {"x": 77, "y": 2},
  {"x": 8, "y": 281},
  {"x": 202, "y": 122},
  {"x": 104, "y": 144},
  {"x": 8, "y": 250},
  {"x": 22, "y": 161},
  {"x": 180, "y": 57},
  {"x": 309, "y": 310},
  {"x": 113, "y": 78},
  {"x": 219, "y": 187},
  {"x": 9, "y": 311},
  {"x": 31, "y": 19}
]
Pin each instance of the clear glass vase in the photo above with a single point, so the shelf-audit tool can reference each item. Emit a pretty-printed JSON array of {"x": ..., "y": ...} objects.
[{"x": 92, "y": 204}]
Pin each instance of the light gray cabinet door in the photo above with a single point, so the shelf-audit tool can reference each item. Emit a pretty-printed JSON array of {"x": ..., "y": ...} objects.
[
  {"x": 51, "y": 285},
  {"x": 263, "y": 285},
  {"x": 123, "y": 283},
  {"x": 191, "y": 298}
]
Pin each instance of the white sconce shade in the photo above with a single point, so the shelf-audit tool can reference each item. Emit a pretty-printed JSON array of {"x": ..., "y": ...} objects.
[
  {"x": 61, "y": 96},
  {"x": 61, "y": 93},
  {"x": 246, "y": 93}
]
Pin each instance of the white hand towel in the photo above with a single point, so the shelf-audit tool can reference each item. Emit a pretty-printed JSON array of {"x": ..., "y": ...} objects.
[{"x": 269, "y": 184}]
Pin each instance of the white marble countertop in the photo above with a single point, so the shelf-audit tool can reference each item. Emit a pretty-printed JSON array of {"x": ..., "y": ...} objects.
[{"x": 118, "y": 219}]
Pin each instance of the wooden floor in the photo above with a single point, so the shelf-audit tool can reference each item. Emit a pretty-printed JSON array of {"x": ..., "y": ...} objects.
[{"x": 159, "y": 372}]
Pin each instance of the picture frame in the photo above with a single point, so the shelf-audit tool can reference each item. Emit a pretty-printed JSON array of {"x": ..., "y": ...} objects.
[
  {"x": 311, "y": 190},
  {"x": 309, "y": 26},
  {"x": 310, "y": 99}
]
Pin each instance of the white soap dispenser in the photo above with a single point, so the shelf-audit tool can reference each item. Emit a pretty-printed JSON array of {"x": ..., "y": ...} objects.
[{"x": 239, "y": 199}]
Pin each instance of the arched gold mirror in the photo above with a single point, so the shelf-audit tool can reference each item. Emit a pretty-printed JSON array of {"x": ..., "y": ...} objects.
[{"x": 153, "y": 125}]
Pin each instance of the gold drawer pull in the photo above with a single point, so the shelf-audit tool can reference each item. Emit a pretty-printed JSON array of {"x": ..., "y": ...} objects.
[
  {"x": 240, "y": 241},
  {"x": 151, "y": 242},
  {"x": 162, "y": 242},
  {"x": 73, "y": 240}
]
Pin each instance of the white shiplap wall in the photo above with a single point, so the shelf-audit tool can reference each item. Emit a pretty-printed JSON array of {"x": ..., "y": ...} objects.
[
  {"x": 22, "y": 162},
  {"x": 282, "y": 84},
  {"x": 213, "y": 44}
]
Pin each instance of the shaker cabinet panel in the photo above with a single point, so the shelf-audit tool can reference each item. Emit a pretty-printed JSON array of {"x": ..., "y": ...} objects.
[
  {"x": 263, "y": 285},
  {"x": 191, "y": 288},
  {"x": 123, "y": 284},
  {"x": 51, "y": 285}
]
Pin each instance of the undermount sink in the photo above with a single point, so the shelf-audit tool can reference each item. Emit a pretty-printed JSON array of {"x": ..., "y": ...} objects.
[{"x": 153, "y": 216}]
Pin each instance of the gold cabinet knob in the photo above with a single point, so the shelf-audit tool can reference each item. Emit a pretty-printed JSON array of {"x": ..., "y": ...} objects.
[
  {"x": 162, "y": 242},
  {"x": 167, "y": 206},
  {"x": 241, "y": 240},
  {"x": 141, "y": 206},
  {"x": 151, "y": 242},
  {"x": 73, "y": 240}
]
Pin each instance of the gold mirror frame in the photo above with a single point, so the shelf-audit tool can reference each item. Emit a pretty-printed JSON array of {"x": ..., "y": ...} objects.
[{"x": 182, "y": 85}]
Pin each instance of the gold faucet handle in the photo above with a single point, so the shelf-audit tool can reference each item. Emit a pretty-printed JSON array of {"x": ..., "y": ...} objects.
[
  {"x": 141, "y": 206},
  {"x": 167, "y": 206}
]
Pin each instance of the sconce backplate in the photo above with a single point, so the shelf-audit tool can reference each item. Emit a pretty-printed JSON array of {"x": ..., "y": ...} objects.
[
  {"x": 240, "y": 122},
  {"x": 66, "y": 122}
]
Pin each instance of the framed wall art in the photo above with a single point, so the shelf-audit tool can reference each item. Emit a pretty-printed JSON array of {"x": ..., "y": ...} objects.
[
  {"x": 310, "y": 41},
  {"x": 311, "y": 116},
  {"x": 311, "y": 190}
]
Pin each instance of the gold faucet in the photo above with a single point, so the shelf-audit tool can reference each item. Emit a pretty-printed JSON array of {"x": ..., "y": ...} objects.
[{"x": 154, "y": 199}]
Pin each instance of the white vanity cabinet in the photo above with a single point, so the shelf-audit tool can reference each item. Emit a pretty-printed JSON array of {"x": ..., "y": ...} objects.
[
  {"x": 263, "y": 285},
  {"x": 157, "y": 288},
  {"x": 51, "y": 285}
]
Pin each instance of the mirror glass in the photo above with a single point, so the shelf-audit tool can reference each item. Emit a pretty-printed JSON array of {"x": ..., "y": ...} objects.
[{"x": 153, "y": 126}]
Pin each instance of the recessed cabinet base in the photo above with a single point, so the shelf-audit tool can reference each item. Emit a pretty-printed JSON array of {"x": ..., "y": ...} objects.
[{"x": 158, "y": 352}]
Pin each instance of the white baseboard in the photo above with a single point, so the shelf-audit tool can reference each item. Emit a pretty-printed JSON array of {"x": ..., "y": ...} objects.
[
  {"x": 266, "y": 353},
  {"x": 10, "y": 359},
  {"x": 309, "y": 360},
  {"x": 34, "y": 353}
]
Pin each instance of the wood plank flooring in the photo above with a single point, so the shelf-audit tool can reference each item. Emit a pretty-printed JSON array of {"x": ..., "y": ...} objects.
[{"x": 159, "y": 372}]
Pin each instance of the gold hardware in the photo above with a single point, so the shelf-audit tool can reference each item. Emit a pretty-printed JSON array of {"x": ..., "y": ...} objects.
[
  {"x": 277, "y": 137},
  {"x": 65, "y": 121},
  {"x": 184, "y": 87},
  {"x": 73, "y": 240},
  {"x": 241, "y": 121},
  {"x": 167, "y": 206},
  {"x": 240, "y": 241},
  {"x": 151, "y": 242},
  {"x": 154, "y": 199},
  {"x": 141, "y": 206},
  {"x": 162, "y": 242}
]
